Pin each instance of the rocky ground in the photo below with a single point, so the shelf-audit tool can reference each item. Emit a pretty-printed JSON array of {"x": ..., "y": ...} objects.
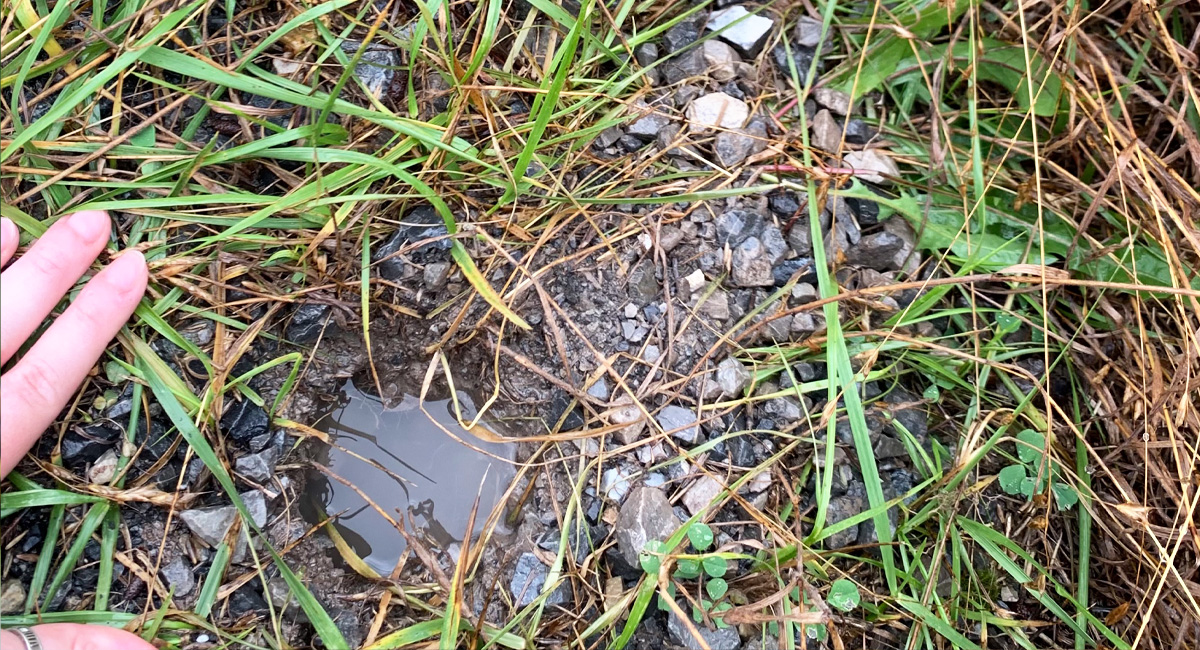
[{"x": 657, "y": 329}]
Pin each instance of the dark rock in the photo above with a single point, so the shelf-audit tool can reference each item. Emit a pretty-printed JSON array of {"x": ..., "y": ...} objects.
[
  {"x": 734, "y": 226},
  {"x": 732, "y": 89},
  {"x": 647, "y": 127},
  {"x": 420, "y": 224},
  {"x": 876, "y": 251},
  {"x": 684, "y": 33},
  {"x": 785, "y": 204},
  {"x": 685, "y": 65},
  {"x": 681, "y": 422},
  {"x": 307, "y": 322},
  {"x": 84, "y": 445},
  {"x": 686, "y": 95},
  {"x": 741, "y": 450},
  {"x": 608, "y": 137},
  {"x": 646, "y": 515},
  {"x": 774, "y": 243},
  {"x": 178, "y": 576},
  {"x": 726, "y": 639},
  {"x": 841, "y": 508},
  {"x": 244, "y": 420},
  {"x": 631, "y": 144},
  {"x": 580, "y": 542},
  {"x": 646, "y": 54},
  {"x": 529, "y": 577},
  {"x": 247, "y": 600},
  {"x": 558, "y": 405},
  {"x": 913, "y": 417},
  {"x": 801, "y": 56},
  {"x": 784, "y": 271},
  {"x": 866, "y": 211},
  {"x": 859, "y": 132}
]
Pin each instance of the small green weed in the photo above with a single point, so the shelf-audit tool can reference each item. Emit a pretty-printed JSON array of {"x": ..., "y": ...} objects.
[{"x": 1028, "y": 476}]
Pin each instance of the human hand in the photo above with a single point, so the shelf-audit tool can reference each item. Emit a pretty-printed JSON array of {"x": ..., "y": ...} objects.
[{"x": 34, "y": 391}]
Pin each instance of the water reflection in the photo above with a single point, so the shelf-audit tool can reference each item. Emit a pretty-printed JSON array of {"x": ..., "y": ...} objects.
[{"x": 425, "y": 473}]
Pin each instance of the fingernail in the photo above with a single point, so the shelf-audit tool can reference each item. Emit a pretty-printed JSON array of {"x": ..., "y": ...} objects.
[
  {"x": 9, "y": 229},
  {"x": 127, "y": 270},
  {"x": 90, "y": 225}
]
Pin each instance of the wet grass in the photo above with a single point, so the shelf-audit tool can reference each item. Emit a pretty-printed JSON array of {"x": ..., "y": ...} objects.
[{"x": 1050, "y": 161}]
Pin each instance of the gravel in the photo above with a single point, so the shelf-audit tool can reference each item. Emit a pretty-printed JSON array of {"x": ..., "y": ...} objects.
[
  {"x": 872, "y": 166},
  {"x": 680, "y": 422},
  {"x": 741, "y": 29},
  {"x": 646, "y": 515},
  {"x": 751, "y": 267},
  {"x": 716, "y": 110},
  {"x": 733, "y": 377}
]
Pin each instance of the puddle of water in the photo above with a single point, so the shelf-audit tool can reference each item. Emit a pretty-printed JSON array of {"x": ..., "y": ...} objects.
[{"x": 436, "y": 477}]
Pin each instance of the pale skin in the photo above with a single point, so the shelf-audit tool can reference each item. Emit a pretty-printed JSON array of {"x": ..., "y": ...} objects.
[{"x": 34, "y": 390}]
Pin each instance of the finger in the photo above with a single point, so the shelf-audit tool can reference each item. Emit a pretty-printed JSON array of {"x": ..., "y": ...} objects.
[
  {"x": 35, "y": 283},
  {"x": 35, "y": 390},
  {"x": 10, "y": 237},
  {"x": 73, "y": 636}
]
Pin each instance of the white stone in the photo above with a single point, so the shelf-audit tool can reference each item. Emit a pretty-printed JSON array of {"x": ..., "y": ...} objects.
[
  {"x": 743, "y": 30},
  {"x": 871, "y": 165},
  {"x": 717, "y": 110},
  {"x": 721, "y": 59},
  {"x": 695, "y": 280},
  {"x": 104, "y": 469},
  {"x": 701, "y": 494}
]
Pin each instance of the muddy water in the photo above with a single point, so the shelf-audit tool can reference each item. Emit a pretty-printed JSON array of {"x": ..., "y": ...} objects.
[{"x": 430, "y": 475}]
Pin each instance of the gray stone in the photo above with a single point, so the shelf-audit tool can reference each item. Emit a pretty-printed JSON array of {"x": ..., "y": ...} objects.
[
  {"x": 651, "y": 353},
  {"x": 626, "y": 413},
  {"x": 608, "y": 137},
  {"x": 599, "y": 389},
  {"x": 12, "y": 597},
  {"x": 826, "y": 132},
  {"x": 733, "y": 147},
  {"x": 835, "y": 100},
  {"x": 774, "y": 243},
  {"x": 716, "y": 305},
  {"x": 652, "y": 453},
  {"x": 741, "y": 29},
  {"x": 876, "y": 251},
  {"x": 859, "y": 132},
  {"x": 784, "y": 410},
  {"x": 178, "y": 576},
  {"x": 244, "y": 420},
  {"x": 307, "y": 322},
  {"x": 422, "y": 223},
  {"x": 684, "y": 65},
  {"x": 377, "y": 68},
  {"x": 841, "y": 508},
  {"x": 734, "y": 226},
  {"x": 722, "y": 60},
  {"x": 808, "y": 32},
  {"x": 807, "y": 322},
  {"x": 701, "y": 494},
  {"x": 83, "y": 445},
  {"x": 801, "y": 58},
  {"x": 905, "y": 259},
  {"x": 716, "y": 110},
  {"x": 258, "y": 467},
  {"x": 669, "y": 237},
  {"x": 436, "y": 275},
  {"x": 733, "y": 377},
  {"x": 912, "y": 417},
  {"x": 211, "y": 525},
  {"x": 751, "y": 265},
  {"x": 803, "y": 293},
  {"x": 726, "y": 639},
  {"x": 528, "y": 580},
  {"x": 680, "y": 422},
  {"x": 888, "y": 447},
  {"x": 872, "y": 166},
  {"x": 686, "y": 95},
  {"x": 631, "y": 144},
  {"x": 643, "y": 285},
  {"x": 646, "y": 54},
  {"x": 633, "y": 332},
  {"x": 647, "y": 127},
  {"x": 646, "y": 515}
]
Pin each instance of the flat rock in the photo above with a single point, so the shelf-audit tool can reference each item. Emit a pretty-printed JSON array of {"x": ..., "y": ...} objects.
[
  {"x": 733, "y": 377},
  {"x": 680, "y": 423},
  {"x": 682, "y": 34},
  {"x": 307, "y": 322},
  {"x": 835, "y": 100},
  {"x": 717, "y": 110},
  {"x": 643, "y": 284},
  {"x": 872, "y": 166},
  {"x": 733, "y": 147},
  {"x": 259, "y": 467},
  {"x": 528, "y": 580},
  {"x": 12, "y": 597},
  {"x": 421, "y": 224},
  {"x": 701, "y": 494},
  {"x": 726, "y": 639},
  {"x": 646, "y": 515},
  {"x": 647, "y": 127},
  {"x": 751, "y": 267},
  {"x": 807, "y": 32},
  {"x": 716, "y": 305},
  {"x": 905, "y": 259},
  {"x": 876, "y": 251},
  {"x": 104, "y": 469},
  {"x": 826, "y": 132},
  {"x": 722, "y": 60},
  {"x": 178, "y": 576},
  {"x": 687, "y": 64},
  {"x": 615, "y": 483},
  {"x": 211, "y": 525},
  {"x": 436, "y": 275},
  {"x": 377, "y": 67},
  {"x": 740, "y": 28},
  {"x": 841, "y": 508},
  {"x": 244, "y": 420}
]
